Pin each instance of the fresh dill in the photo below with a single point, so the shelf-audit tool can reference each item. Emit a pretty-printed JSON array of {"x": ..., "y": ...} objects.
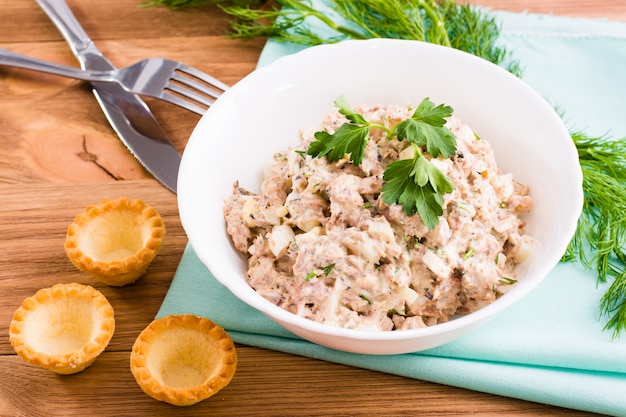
[
  {"x": 442, "y": 22},
  {"x": 365, "y": 298},
  {"x": 325, "y": 270},
  {"x": 328, "y": 268},
  {"x": 600, "y": 239}
]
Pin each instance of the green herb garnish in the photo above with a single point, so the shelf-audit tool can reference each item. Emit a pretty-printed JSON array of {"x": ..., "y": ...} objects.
[
  {"x": 441, "y": 22},
  {"x": 301, "y": 153},
  {"x": 350, "y": 138},
  {"x": 415, "y": 183},
  {"x": 328, "y": 268},
  {"x": 325, "y": 270},
  {"x": 600, "y": 239}
]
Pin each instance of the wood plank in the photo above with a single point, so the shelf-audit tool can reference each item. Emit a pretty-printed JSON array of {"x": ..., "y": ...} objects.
[
  {"x": 71, "y": 139},
  {"x": 33, "y": 222},
  {"x": 266, "y": 383},
  {"x": 112, "y": 20}
]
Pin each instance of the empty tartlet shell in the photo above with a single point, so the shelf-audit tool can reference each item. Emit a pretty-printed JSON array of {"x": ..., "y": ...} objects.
[
  {"x": 63, "y": 328},
  {"x": 116, "y": 240},
  {"x": 183, "y": 359}
]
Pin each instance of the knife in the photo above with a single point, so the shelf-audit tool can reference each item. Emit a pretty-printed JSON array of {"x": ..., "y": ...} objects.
[{"x": 129, "y": 116}]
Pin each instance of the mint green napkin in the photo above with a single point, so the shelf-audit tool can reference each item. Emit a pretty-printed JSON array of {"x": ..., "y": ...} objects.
[{"x": 549, "y": 347}]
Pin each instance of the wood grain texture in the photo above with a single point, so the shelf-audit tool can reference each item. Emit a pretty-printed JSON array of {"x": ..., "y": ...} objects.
[
  {"x": 266, "y": 383},
  {"x": 52, "y": 128},
  {"x": 58, "y": 155}
]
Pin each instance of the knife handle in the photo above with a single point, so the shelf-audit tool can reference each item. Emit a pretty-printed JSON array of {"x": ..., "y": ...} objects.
[{"x": 61, "y": 15}]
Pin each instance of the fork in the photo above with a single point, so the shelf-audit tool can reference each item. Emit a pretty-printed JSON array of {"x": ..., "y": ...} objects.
[{"x": 165, "y": 79}]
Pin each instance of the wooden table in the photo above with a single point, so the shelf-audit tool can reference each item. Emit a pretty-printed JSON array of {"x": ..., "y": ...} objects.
[{"x": 58, "y": 155}]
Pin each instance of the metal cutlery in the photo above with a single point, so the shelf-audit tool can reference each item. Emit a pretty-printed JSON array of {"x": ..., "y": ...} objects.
[
  {"x": 161, "y": 78},
  {"x": 129, "y": 116}
]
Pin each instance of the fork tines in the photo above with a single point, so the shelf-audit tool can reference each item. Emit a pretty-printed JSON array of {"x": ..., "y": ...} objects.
[{"x": 193, "y": 84}]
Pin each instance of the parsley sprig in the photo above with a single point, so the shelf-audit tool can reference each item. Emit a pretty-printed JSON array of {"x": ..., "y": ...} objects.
[
  {"x": 415, "y": 183},
  {"x": 351, "y": 138}
]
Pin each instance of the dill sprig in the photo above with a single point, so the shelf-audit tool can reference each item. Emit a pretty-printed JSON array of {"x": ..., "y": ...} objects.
[
  {"x": 442, "y": 22},
  {"x": 600, "y": 239},
  {"x": 446, "y": 23},
  {"x": 285, "y": 21}
]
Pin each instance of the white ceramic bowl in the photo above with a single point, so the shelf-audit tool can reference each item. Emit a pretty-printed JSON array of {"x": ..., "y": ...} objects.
[{"x": 263, "y": 113}]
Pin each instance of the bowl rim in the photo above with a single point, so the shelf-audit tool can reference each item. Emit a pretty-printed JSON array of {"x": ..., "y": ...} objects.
[{"x": 284, "y": 317}]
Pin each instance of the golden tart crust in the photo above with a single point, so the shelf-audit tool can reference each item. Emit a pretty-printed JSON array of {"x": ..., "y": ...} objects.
[
  {"x": 62, "y": 328},
  {"x": 183, "y": 359},
  {"x": 115, "y": 241}
]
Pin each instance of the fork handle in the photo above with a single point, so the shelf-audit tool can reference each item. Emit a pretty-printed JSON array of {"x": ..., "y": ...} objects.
[
  {"x": 81, "y": 44},
  {"x": 13, "y": 59}
]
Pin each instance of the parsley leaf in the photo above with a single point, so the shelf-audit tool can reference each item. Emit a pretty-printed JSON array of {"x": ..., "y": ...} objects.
[
  {"x": 415, "y": 183},
  {"x": 426, "y": 127},
  {"x": 349, "y": 139},
  {"x": 418, "y": 186},
  {"x": 427, "y": 112},
  {"x": 344, "y": 108}
]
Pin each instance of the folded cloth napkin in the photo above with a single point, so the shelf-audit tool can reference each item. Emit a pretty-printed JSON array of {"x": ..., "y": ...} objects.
[{"x": 549, "y": 347}]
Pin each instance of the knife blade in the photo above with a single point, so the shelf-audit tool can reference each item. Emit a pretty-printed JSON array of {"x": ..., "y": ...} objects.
[{"x": 129, "y": 116}]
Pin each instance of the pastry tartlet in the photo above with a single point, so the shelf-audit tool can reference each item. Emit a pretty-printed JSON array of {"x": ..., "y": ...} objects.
[
  {"x": 62, "y": 328},
  {"x": 115, "y": 241},
  {"x": 183, "y": 359}
]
